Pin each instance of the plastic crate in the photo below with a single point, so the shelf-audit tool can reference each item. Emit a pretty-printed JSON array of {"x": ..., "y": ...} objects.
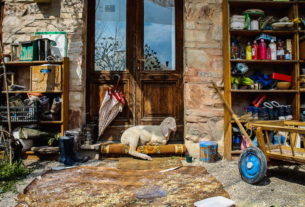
[{"x": 20, "y": 113}]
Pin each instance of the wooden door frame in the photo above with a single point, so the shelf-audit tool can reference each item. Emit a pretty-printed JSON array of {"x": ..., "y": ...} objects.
[
  {"x": 130, "y": 50},
  {"x": 175, "y": 76},
  {"x": 131, "y": 46}
]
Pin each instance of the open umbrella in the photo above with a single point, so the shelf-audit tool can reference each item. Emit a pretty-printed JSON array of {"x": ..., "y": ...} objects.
[{"x": 112, "y": 104}]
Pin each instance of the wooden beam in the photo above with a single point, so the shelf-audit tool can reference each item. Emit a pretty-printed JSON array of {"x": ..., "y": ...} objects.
[
  {"x": 260, "y": 140},
  {"x": 278, "y": 156},
  {"x": 242, "y": 129}
]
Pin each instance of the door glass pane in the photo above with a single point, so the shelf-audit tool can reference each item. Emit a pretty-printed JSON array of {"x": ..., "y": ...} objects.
[
  {"x": 159, "y": 34},
  {"x": 110, "y": 35}
]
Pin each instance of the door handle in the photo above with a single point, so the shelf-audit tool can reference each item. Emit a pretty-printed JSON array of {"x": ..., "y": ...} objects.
[{"x": 158, "y": 77}]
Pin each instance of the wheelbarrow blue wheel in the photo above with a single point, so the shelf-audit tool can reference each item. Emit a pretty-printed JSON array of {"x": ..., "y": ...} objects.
[{"x": 252, "y": 165}]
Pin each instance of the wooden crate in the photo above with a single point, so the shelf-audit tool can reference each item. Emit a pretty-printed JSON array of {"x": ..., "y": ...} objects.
[
  {"x": 46, "y": 78},
  {"x": 28, "y": 51}
]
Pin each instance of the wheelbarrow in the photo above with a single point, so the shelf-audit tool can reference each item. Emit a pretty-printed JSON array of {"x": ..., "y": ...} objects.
[{"x": 279, "y": 143}]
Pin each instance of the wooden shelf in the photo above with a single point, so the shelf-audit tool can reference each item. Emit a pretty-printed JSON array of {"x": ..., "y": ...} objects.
[
  {"x": 301, "y": 3},
  {"x": 33, "y": 91},
  {"x": 261, "y": 4},
  {"x": 258, "y": 32},
  {"x": 29, "y": 63},
  {"x": 264, "y": 61},
  {"x": 23, "y": 77},
  {"x": 263, "y": 91},
  {"x": 290, "y": 96},
  {"x": 50, "y": 122}
]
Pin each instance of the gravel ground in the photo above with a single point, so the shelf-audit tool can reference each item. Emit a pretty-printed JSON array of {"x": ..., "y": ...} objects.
[{"x": 283, "y": 186}]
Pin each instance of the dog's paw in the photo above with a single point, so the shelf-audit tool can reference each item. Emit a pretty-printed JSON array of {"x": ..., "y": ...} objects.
[{"x": 146, "y": 157}]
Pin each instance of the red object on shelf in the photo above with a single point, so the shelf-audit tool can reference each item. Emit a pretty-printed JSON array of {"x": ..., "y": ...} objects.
[{"x": 281, "y": 77}]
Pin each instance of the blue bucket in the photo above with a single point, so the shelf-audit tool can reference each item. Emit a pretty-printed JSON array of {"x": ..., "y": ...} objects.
[{"x": 208, "y": 151}]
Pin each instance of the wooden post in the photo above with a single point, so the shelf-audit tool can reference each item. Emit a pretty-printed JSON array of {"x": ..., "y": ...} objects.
[
  {"x": 7, "y": 106},
  {"x": 261, "y": 142},
  {"x": 279, "y": 140},
  {"x": 268, "y": 141},
  {"x": 292, "y": 142}
]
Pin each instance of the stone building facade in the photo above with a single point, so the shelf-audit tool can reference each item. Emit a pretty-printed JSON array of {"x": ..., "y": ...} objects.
[{"x": 202, "y": 58}]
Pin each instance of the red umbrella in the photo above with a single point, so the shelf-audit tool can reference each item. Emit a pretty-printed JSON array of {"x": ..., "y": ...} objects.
[{"x": 113, "y": 103}]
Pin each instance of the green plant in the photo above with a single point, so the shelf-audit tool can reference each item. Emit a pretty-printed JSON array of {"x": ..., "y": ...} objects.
[{"x": 10, "y": 174}]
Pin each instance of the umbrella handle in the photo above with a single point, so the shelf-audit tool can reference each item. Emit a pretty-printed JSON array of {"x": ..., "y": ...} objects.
[{"x": 118, "y": 81}]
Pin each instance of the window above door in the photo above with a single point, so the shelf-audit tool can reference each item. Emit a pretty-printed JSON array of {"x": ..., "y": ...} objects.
[
  {"x": 157, "y": 29},
  {"x": 159, "y": 35},
  {"x": 110, "y": 35}
]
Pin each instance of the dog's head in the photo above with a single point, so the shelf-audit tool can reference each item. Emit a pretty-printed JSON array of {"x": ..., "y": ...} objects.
[{"x": 168, "y": 125}]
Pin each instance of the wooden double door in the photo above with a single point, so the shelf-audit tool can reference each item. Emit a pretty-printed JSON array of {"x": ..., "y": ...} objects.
[{"x": 141, "y": 41}]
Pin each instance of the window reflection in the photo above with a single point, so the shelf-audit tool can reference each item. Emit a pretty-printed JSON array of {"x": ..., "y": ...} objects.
[
  {"x": 110, "y": 35},
  {"x": 159, "y": 34}
]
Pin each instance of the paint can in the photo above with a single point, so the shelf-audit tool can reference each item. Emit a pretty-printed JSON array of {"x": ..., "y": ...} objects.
[{"x": 208, "y": 151}]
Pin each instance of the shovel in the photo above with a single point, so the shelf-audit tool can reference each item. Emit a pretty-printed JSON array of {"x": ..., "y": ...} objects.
[{"x": 242, "y": 129}]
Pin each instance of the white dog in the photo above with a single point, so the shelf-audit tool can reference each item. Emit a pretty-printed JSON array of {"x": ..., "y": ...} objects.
[{"x": 148, "y": 135}]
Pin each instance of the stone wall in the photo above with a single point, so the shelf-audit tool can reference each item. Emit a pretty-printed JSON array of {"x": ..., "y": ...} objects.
[
  {"x": 24, "y": 18},
  {"x": 203, "y": 63},
  {"x": 202, "y": 58}
]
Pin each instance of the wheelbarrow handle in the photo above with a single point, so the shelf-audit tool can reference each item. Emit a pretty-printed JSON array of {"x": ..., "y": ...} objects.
[{"x": 242, "y": 129}]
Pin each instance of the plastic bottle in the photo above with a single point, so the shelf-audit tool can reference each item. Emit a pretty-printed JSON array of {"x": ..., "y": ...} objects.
[
  {"x": 234, "y": 51},
  {"x": 262, "y": 50},
  {"x": 272, "y": 46},
  {"x": 255, "y": 50},
  {"x": 280, "y": 52},
  {"x": 249, "y": 52}
]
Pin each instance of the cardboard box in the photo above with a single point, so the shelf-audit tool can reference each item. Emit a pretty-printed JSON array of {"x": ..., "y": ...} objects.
[{"x": 46, "y": 78}]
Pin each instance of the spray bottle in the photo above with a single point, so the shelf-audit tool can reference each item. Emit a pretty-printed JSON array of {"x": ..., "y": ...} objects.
[{"x": 272, "y": 46}]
